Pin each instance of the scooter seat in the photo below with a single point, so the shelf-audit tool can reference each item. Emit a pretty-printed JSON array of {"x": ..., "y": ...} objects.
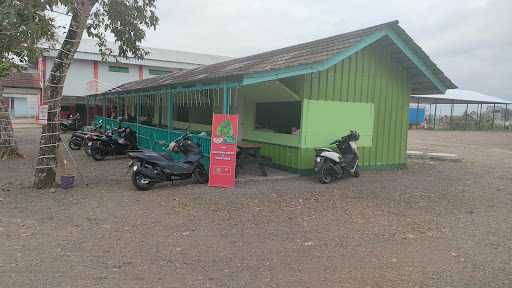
[{"x": 323, "y": 150}]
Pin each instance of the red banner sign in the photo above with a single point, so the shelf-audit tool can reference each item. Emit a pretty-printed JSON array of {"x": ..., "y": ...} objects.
[{"x": 223, "y": 150}]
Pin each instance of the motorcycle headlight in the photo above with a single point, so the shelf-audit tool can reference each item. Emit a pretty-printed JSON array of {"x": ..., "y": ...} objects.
[{"x": 318, "y": 159}]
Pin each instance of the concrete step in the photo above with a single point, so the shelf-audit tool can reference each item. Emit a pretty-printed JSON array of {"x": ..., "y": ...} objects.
[{"x": 433, "y": 156}]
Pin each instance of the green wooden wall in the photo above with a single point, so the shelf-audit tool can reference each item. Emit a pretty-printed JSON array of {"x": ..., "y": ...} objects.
[{"x": 369, "y": 76}]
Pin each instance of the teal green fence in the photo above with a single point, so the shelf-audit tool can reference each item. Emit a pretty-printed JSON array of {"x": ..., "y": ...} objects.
[{"x": 154, "y": 138}]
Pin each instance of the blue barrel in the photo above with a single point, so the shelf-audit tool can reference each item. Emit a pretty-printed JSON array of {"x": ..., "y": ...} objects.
[{"x": 416, "y": 115}]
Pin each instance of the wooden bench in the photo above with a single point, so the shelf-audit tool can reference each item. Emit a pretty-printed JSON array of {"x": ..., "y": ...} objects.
[{"x": 253, "y": 152}]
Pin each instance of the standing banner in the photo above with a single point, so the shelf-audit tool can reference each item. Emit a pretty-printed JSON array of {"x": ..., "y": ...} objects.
[{"x": 223, "y": 150}]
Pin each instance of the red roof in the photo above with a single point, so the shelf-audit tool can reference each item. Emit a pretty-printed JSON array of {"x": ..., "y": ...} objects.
[{"x": 21, "y": 80}]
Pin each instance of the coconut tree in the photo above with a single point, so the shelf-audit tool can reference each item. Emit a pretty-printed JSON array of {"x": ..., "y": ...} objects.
[{"x": 126, "y": 21}]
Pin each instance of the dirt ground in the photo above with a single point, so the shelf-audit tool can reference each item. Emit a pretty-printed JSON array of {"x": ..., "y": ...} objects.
[{"x": 434, "y": 224}]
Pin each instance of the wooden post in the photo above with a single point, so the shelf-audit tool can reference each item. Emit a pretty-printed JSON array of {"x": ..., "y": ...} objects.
[
  {"x": 466, "y": 117},
  {"x": 505, "y": 114},
  {"x": 479, "y": 113},
  {"x": 137, "y": 115},
  {"x": 430, "y": 115},
  {"x": 435, "y": 115},
  {"x": 87, "y": 110},
  {"x": 104, "y": 106},
  {"x": 170, "y": 107},
  {"x": 417, "y": 112},
  {"x": 226, "y": 100},
  {"x": 493, "y": 111},
  {"x": 451, "y": 116}
]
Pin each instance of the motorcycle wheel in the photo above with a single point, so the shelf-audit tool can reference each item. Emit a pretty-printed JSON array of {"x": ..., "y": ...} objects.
[
  {"x": 87, "y": 149},
  {"x": 200, "y": 175},
  {"x": 141, "y": 182},
  {"x": 98, "y": 153},
  {"x": 73, "y": 145},
  {"x": 325, "y": 174}
]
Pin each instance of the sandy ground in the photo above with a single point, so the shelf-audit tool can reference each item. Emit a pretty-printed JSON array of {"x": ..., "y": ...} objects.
[{"x": 434, "y": 224}]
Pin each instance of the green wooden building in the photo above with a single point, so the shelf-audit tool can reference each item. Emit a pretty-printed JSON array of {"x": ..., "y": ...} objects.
[{"x": 293, "y": 99}]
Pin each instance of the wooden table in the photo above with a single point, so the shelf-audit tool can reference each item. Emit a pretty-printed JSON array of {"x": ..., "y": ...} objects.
[{"x": 253, "y": 151}]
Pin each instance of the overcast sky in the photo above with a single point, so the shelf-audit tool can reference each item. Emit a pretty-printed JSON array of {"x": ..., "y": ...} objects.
[{"x": 470, "y": 40}]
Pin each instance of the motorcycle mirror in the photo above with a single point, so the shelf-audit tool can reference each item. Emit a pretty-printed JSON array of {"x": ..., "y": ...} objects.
[{"x": 172, "y": 146}]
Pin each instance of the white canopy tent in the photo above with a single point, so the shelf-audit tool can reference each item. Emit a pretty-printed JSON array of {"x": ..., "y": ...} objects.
[
  {"x": 466, "y": 97},
  {"x": 459, "y": 96}
]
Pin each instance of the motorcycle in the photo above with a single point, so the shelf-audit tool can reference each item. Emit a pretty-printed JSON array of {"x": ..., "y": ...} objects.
[
  {"x": 110, "y": 145},
  {"x": 80, "y": 138},
  {"x": 72, "y": 123},
  {"x": 149, "y": 168},
  {"x": 333, "y": 164}
]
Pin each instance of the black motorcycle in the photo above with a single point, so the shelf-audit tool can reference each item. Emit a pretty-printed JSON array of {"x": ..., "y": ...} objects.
[
  {"x": 123, "y": 142},
  {"x": 331, "y": 164},
  {"x": 72, "y": 123},
  {"x": 149, "y": 168},
  {"x": 79, "y": 139}
]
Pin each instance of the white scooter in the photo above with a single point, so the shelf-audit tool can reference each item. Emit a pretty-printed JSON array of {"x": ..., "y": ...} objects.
[{"x": 331, "y": 164}]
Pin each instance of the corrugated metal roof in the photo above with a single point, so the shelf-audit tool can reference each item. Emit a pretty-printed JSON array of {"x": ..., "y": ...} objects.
[
  {"x": 459, "y": 96},
  {"x": 21, "y": 80},
  {"x": 303, "y": 54},
  {"x": 88, "y": 50}
]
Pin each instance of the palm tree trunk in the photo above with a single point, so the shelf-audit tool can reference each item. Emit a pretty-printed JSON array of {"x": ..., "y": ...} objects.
[
  {"x": 45, "y": 170},
  {"x": 8, "y": 147}
]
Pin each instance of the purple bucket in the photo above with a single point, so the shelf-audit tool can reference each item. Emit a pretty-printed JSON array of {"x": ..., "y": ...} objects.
[{"x": 67, "y": 181}]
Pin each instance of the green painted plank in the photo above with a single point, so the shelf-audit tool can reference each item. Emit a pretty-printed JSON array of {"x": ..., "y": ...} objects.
[
  {"x": 395, "y": 112},
  {"x": 381, "y": 130},
  {"x": 359, "y": 77},
  {"x": 323, "y": 85},
  {"x": 350, "y": 80},
  {"x": 315, "y": 86},
  {"x": 330, "y": 84},
  {"x": 307, "y": 86},
  {"x": 338, "y": 81},
  {"x": 345, "y": 80}
]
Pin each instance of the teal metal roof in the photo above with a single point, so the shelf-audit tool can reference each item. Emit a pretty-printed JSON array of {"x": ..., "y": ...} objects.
[{"x": 424, "y": 75}]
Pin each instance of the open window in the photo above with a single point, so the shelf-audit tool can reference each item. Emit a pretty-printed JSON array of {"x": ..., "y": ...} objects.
[
  {"x": 278, "y": 117},
  {"x": 197, "y": 115}
]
